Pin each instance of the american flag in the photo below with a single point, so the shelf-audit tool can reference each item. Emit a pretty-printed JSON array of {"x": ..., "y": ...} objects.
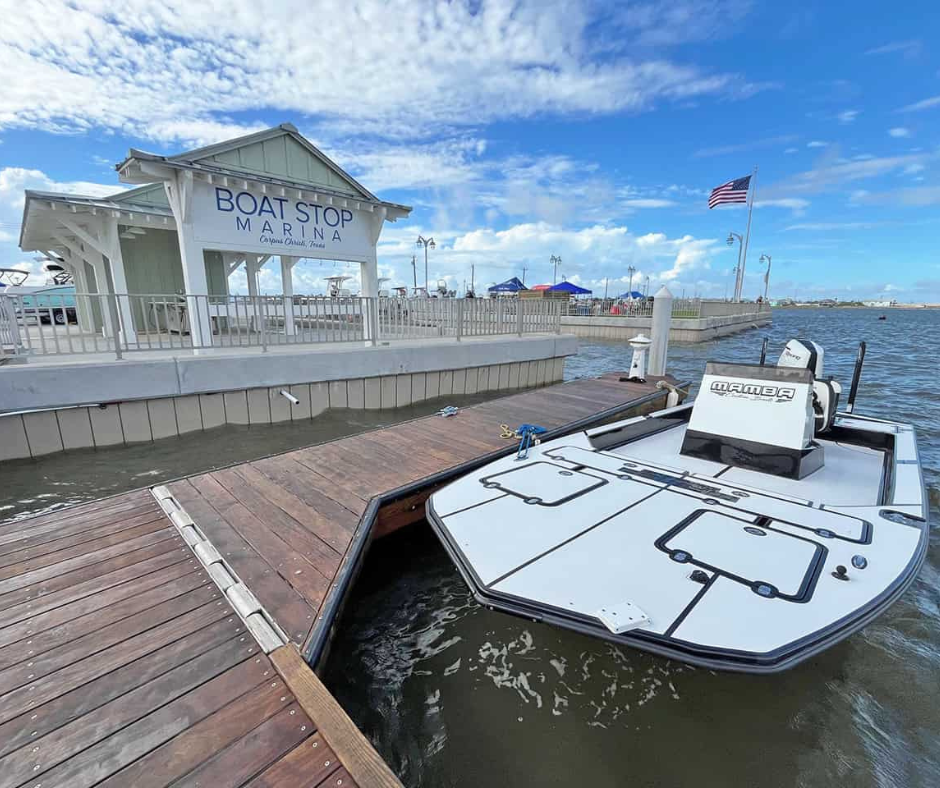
[{"x": 732, "y": 191}]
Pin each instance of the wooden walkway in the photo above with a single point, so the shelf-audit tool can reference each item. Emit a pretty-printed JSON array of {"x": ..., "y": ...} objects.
[
  {"x": 287, "y": 524},
  {"x": 123, "y": 664}
]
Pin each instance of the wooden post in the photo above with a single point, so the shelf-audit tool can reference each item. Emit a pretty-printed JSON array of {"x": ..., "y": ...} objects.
[{"x": 662, "y": 318}]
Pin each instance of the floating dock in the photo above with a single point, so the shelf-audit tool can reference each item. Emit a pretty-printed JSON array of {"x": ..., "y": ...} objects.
[{"x": 165, "y": 636}]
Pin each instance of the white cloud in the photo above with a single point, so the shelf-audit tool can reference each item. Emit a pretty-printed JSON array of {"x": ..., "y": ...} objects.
[
  {"x": 796, "y": 204},
  {"x": 182, "y": 71},
  {"x": 848, "y": 116},
  {"x": 828, "y": 226},
  {"x": 792, "y": 150},
  {"x": 587, "y": 253},
  {"x": 899, "y": 131},
  {"x": 741, "y": 147},
  {"x": 648, "y": 203},
  {"x": 917, "y": 106},
  {"x": 907, "y": 48},
  {"x": 831, "y": 174},
  {"x": 816, "y": 144}
]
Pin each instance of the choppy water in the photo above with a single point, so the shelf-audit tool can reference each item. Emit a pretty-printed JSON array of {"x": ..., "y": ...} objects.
[{"x": 456, "y": 695}]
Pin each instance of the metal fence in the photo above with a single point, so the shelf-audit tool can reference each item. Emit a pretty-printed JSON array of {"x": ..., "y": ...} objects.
[{"x": 83, "y": 323}]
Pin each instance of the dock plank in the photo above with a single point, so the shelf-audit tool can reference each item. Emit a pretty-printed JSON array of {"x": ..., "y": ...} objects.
[{"x": 306, "y": 766}]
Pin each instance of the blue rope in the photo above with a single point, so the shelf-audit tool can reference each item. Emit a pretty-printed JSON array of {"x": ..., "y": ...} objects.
[{"x": 526, "y": 432}]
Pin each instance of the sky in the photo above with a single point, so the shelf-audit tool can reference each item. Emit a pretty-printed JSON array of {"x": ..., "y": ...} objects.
[{"x": 518, "y": 130}]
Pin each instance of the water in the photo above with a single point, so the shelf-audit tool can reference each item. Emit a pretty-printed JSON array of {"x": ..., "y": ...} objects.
[
  {"x": 29, "y": 487},
  {"x": 453, "y": 694}
]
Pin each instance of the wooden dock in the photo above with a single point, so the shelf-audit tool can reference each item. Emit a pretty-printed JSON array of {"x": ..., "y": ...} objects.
[{"x": 123, "y": 664}]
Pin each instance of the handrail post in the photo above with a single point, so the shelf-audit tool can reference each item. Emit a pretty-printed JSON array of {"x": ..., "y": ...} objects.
[
  {"x": 519, "y": 321},
  {"x": 459, "y": 330},
  {"x": 263, "y": 319}
]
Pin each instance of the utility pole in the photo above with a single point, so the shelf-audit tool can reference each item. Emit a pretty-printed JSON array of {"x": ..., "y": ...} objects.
[
  {"x": 524, "y": 269},
  {"x": 472, "y": 271},
  {"x": 631, "y": 270},
  {"x": 414, "y": 271},
  {"x": 426, "y": 243},
  {"x": 555, "y": 260}
]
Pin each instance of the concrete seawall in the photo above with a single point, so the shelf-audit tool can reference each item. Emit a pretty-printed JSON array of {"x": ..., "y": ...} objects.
[
  {"x": 82, "y": 405},
  {"x": 681, "y": 330}
]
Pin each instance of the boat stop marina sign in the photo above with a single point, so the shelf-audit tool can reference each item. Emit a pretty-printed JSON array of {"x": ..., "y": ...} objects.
[{"x": 233, "y": 218}]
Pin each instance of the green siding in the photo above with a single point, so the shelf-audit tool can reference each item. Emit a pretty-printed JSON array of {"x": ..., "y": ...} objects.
[
  {"x": 284, "y": 157},
  {"x": 154, "y": 194},
  {"x": 153, "y": 267}
]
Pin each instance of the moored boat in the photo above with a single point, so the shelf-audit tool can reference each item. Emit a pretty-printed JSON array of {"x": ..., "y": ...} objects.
[{"x": 745, "y": 531}]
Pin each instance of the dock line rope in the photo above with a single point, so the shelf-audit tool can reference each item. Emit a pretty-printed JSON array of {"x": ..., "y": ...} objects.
[{"x": 527, "y": 436}]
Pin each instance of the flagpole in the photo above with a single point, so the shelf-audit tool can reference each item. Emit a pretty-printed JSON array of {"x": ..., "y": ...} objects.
[{"x": 747, "y": 233}]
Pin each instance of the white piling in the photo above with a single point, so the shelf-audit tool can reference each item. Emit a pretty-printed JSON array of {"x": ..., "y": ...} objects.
[{"x": 662, "y": 318}]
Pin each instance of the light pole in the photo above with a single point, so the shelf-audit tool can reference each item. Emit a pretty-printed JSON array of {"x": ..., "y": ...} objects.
[
  {"x": 524, "y": 269},
  {"x": 555, "y": 260},
  {"x": 739, "y": 271},
  {"x": 766, "y": 257},
  {"x": 646, "y": 288},
  {"x": 414, "y": 272},
  {"x": 426, "y": 243},
  {"x": 631, "y": 270}
]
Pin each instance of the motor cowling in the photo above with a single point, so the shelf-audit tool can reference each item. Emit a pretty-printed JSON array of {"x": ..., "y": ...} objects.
[{"x": 805, "y": 354}]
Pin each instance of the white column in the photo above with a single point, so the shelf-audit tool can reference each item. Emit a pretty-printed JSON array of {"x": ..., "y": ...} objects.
[
  {"x": 111, "y": 240},
  {"x": 287, "y": 286},
  {"x": 662, "y": 318},
  {"x": 252, "y": 264},
  {"x": 86, "y": 317},
  {"x": 369, "y": 276},
  {"x": 179, "y": 193}
]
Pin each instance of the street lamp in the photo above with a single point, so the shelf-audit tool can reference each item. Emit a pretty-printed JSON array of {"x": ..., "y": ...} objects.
[
  {"x": 631, "y": 270},
  {"x": 555, "y": 260},
  {"x": 739, "y": 271},
  {"x": 427, "y": 243},
  {"x": 766, "y": 258}
]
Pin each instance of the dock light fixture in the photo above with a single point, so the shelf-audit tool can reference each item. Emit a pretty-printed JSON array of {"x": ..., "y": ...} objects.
[
  {"x": 427, "y": 243},
  {"x": 555, "y": 260},
  {"x": 765, "y": 258},
  {"x": 739, "y": 271}
]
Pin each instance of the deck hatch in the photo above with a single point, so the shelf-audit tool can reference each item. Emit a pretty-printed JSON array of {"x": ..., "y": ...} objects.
[
  {"x": 759, "y": 557},
  {"x": 543, "y": 483}
]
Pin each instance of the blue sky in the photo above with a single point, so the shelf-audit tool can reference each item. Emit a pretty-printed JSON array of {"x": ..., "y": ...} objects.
[{"x": 519, "y": 130}]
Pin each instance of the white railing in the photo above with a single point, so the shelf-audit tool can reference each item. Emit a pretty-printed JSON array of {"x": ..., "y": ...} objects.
[{"x": 63, "y": 324}]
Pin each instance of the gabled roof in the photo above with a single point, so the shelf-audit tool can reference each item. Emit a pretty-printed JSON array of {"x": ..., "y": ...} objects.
[{"x": 279, "y": 155}]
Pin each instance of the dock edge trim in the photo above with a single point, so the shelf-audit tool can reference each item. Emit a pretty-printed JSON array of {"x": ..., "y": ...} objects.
[{"x": 257, "y": 620}]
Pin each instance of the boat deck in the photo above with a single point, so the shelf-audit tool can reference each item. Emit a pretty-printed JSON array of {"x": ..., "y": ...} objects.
[{"x": 121, "y": 661}]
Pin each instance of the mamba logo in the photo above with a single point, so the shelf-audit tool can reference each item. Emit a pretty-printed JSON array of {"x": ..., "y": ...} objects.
[{"x": 753, "y": 390}]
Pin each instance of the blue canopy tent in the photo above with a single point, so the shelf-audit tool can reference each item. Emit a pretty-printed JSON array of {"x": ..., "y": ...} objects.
[
  {"x": 568, "y": 287},
  {"x": 631, "y": 294},
  {"x": 509, "y": 286}
]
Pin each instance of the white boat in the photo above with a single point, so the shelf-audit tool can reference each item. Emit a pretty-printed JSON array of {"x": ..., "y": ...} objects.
[{"x": 746, "y": 532}]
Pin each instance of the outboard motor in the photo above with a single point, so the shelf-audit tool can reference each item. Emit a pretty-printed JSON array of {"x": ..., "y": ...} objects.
[{"x": 809, "y": 355}]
